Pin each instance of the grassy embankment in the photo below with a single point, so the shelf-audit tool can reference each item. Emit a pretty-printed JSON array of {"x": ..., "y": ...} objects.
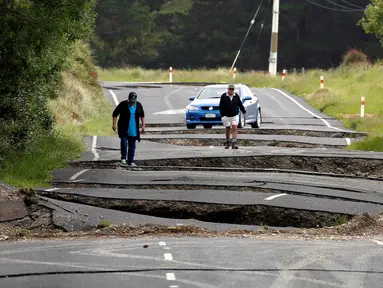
[
  {"x": 344, "y": 87},
  {"x": 80, "y": 109}
]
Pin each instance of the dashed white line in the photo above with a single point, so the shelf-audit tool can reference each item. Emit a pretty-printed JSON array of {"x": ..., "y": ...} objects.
[
  {"x": 173, "y": 286},
  {"x": 162, "y": 243},
  {"x": 307, "y": 110},
  {"x": 170, "y": 277},
  {"x": 51, "y": 189},
  {"x": 94, "y": 143},
  {"x": 275, "y": 196},
  {"x": 348, "y": 141},
  {"x": 168, "y": 257},
  {"x": 78, "y": 174},
  {"x": 167, "y": 248},
  {"x": 114, "y": 97},
  {"x": 378, "y": 242}
]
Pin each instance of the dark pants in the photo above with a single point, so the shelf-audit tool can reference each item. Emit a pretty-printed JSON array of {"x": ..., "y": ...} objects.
[{"x": 128, "y": 145}]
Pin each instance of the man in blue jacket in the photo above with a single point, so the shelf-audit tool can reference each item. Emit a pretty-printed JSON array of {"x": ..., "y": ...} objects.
[
  {"x": 229, "y": 107},
  {"x": 130, "y": 111}
]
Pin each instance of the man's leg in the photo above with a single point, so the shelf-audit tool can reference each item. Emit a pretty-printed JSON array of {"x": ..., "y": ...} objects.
[
  {"x": 234, "y": 133},
  {"x": 123, "y": 146},
  {"x": 225, "y": 122},
  {"x": 132, "y": 149}
]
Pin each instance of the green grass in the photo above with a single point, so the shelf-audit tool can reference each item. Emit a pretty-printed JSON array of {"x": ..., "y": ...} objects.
[
  {"x": 31, "y": 169},
  {"x": 341, "y": 97},
  {"x": 103, "y": 224}
]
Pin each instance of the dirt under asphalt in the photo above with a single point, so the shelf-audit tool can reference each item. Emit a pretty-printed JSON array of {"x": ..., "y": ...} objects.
[{"x": 38, "y": 224}]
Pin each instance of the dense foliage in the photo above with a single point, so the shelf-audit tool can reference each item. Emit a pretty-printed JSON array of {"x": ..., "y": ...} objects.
[
  {"x": 207, "y": 33},
  {"x": 36, "y": 36}
]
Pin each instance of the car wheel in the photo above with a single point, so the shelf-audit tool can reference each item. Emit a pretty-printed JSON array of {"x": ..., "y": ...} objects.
[
  {"x": 241, "y": 122},
  {"x": 190, "y": 126},
  {"x": 207, "y": 126},
  {"x": 257, "y": 124}
]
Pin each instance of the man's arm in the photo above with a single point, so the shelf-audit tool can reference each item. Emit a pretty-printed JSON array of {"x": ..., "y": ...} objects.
[
  {"x": 142, "y": 117},
  {"x": 143, "y": 124},
  {"x": 116, "y": 112},
  {"x": 221, "y": 106},
  {"x": 243, "y": 110}
]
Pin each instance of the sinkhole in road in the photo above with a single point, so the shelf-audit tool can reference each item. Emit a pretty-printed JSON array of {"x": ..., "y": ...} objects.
[
  {"x": 241, "y": 142},
  {"x": 258, "y": 215}
]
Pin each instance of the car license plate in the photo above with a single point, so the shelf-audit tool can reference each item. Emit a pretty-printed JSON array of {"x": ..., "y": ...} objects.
[{"x": 210, "y": 115}]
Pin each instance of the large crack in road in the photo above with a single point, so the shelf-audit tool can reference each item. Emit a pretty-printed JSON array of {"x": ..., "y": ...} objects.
[
  {"x": 218, "y": 213},
  {"x": 351, "y": 166}
]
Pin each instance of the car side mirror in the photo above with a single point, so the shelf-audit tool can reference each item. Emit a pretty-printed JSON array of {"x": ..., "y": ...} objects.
[
  {"x": 248, "y": 98},
  {"x": 191, "y": 98}
]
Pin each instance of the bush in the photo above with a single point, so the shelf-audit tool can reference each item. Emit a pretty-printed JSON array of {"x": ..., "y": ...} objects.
[
  {"x": 35, "y": 40},
  {"x": 354, "y": 57}
]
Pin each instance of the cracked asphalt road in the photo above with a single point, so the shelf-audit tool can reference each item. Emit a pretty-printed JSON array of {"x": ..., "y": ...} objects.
[
  {"x": 203, "y": 262},
  {"x": 191, "y": 262}
]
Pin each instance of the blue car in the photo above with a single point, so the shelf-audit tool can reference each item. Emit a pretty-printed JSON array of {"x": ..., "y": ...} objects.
[{"x": 204, "y": 108}]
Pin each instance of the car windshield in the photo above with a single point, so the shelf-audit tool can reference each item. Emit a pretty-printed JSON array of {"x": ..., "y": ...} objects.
[{"x": 212, "y": 92}]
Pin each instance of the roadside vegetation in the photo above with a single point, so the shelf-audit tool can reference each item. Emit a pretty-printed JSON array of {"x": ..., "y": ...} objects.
[
  {"x": 341, "y": 97},
  {"x": 49, "y": 95}
]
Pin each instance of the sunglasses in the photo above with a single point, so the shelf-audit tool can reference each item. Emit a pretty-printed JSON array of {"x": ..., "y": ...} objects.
[{"x": 231, "y": 88}]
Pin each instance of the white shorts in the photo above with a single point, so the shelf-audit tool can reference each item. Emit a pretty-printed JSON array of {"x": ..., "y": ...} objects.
[{"x": 229, "y": 121}]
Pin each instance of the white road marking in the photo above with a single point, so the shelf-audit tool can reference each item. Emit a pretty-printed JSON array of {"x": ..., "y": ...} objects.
[
  {"x": 114, "y": 97},
  {"x": 348, "y": 141},
  {"x": 307, "y": 110},
  {"x": 78, "y": 180},
  {"x": 171, "y": 112},
  {"x": 275, "y": 196},
  {"x": 162, "y": 244},
  {"x": 168, "y": 256},
  {"x": 78, "y": 174},
  {"x": 170, "y": 277},
  {"x": 51, "y": 189},
  {"x": 378, "y": 242},
  {"x": 166, "y": 98},
  {"x": 173, "y": 286},
  {"x": 94, "y": 143},
  {"x": 167, "y": 248}
]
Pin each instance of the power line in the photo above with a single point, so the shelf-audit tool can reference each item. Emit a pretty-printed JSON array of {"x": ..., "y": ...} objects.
[
  {"x": 260, "y": 30},
  {"x": 334, "y": 9},
  {"x": 349, "y": 3},
  {"x": 247, "y": 33},
  {"x": 342, "y": 6}
]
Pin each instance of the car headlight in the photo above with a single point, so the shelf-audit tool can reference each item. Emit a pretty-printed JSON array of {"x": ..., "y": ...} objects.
[{"x": 192, "y": 108}]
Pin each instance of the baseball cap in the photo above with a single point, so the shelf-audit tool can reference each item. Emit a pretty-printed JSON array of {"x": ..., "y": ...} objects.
[
  {"x": 132, "y": 97},
  {"x": 231, "y": 86}
]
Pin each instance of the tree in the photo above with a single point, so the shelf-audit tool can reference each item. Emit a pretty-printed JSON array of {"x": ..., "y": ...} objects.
[{"x": 373, "y": 19}]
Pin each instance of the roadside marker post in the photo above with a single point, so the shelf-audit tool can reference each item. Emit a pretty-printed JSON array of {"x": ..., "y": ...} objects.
[
  {"x": 170, "y": 74},
  {"x": 362, "y": 107},
  {"x": 284, "y": 74},
  {"x": 235, "y": 73},
  {"x": 321, "y": 82}
]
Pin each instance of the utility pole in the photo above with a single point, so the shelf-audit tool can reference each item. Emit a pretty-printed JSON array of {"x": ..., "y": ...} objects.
[{"x": 274, "y": 40}]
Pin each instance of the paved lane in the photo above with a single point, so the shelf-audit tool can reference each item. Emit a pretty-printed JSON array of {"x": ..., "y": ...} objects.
[
  {"x": 166, "y": 104},
  {"x": 192, "y": 262},
  {"x": 282, "y": 108}
]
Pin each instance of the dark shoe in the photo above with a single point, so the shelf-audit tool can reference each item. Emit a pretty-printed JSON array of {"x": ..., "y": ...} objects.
[
  {"x": 234, "y": 145},
  {"x": 227, "y": 145}
]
